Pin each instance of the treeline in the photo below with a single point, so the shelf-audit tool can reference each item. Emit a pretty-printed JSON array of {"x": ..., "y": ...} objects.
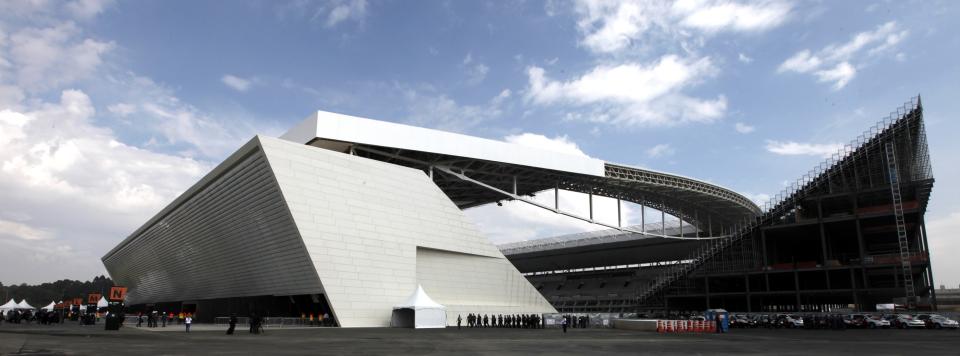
[{"x": 42, "y": 294}]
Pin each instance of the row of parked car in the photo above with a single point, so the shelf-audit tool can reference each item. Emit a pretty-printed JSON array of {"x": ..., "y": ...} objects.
[{"x": 834, "y": 321}]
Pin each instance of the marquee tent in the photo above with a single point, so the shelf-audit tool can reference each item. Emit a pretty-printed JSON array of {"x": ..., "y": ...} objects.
[
  {"x": 23, "y": 305},
  {"x": 102, "y": 303},
  {"x": 11, "y": 305},
  {"x": 49, "y": 306},
  {"x": 419, "y": 312}
]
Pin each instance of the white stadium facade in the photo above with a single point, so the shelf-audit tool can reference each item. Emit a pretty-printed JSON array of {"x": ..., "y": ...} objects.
[{"x": 348, "y": 216}]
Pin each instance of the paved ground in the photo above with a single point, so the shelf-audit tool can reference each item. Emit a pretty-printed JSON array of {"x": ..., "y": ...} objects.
[{"x": 76, "y": 340}]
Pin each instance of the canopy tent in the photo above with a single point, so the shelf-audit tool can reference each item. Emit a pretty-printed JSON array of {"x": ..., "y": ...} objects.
[
  {"x": 23, "y": 305},
  {"x": 102, "y": 303},
  {"x": 419, "y": 311},
  {"x": 11, "y": 305},
  {"x": 49, "y": 306}
]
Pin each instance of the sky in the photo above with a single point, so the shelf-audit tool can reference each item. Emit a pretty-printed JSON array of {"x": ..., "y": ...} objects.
[{"x": 110, "y": 109}]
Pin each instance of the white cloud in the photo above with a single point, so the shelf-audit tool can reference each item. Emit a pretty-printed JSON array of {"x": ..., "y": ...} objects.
[
  {"x": 839, "y": 75},
  {"x": 833, "y": 63},
  {"x": 744, "y": 58},
  {"x": 427, "y": 108},
  {"x": 87, "y": 9},
  {"x": 72, "y": 187},
  {"x": 177, "y": 125},
  {"x": 758, "y": 199},
  {"x": 561, "y": 144},
  {"x": 122, "y": 109},
  {"x": 75, "y": 188},
  {"x": 660, "y": 150},
  {"x": 612, "y": 26},
  {"x": 713, "y": 16},
  {"x": 45, "y": 58},
  {"x": 346, "y": 10},
  {"x": 791, "y": 148},
  {"x": 330, "y": 13},
  {"x": 22, "y": 231},
  {"x": 476, "y": 72},
  {"x": 633, "y": 93},
  {"x": 801, "y": 62},
  {"x": 236, "y": 83},
  {"x": 743, "y": 128}
]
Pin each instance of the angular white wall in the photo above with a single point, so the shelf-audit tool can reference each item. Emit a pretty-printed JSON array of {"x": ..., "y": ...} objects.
[{"x": 362, "y": 222}]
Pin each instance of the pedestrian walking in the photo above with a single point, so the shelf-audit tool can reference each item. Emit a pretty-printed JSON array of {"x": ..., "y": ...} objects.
[
  {"x": 563, "y": 324},
  {"x": 233, "y": 324},
  {"x": 188, "y": 320},
  {"x": 459, "y": 320}
]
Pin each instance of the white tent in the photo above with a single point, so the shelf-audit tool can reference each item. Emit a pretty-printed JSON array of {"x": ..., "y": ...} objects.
[
  {"x": 23, "y": 305},
  {"x": 49, "y": 306},
  {"x": 11, "y": 305},
  {"x": 419, "y": 311},
  {"x": 102, "y": 303}
]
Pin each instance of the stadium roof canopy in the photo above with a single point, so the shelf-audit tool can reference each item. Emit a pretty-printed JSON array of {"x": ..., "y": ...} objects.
[{"x": 474, "y": 171}]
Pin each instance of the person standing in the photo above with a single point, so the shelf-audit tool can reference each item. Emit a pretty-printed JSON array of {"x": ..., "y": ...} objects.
[
  {"x": 188, "y": 320},
  {"x": 163, "y": 320},
  {"x": 459, "y": 320},
  {"x": 233, "y": 324},
  {"x": 719, "y": 324},
  {"x": 139, "y": 320},
  {"x": 563, "y": 324}
]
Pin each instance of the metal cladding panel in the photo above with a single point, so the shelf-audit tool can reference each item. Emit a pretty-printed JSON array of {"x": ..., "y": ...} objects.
[
  {"x": 231, "y": 236},
  {"x": 363, "y": 222},
  {"x": 345, "y": 128}
]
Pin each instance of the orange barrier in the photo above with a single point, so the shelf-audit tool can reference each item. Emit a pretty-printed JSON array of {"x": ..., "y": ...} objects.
[{"x": 685, "y": 326}]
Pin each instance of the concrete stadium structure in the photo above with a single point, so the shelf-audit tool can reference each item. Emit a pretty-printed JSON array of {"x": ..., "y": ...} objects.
[
  {"x": 850, "y": 234},
  {"x": 346, "y": 216}
]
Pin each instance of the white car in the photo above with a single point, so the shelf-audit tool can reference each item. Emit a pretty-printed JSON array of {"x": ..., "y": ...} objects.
[
  {"x": 938, "y": 321},
  {"x": 907, "y": 321},
  {"x": 790, "y": 320},
  {"x": 873, "y": 322}
]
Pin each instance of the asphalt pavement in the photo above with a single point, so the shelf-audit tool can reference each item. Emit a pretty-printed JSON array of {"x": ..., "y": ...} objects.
[{"x": 71, "y": 339}]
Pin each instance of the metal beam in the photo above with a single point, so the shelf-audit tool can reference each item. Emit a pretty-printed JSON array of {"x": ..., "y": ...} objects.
[{"x": 507, "y": 194}]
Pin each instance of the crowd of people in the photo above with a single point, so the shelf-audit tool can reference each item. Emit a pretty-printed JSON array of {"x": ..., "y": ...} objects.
[
  {"x": 47, "y": 317},
  {"x": 16, "y": 316},
  {"x": 160, "y": 319},
  {"x": 523, "y": 321},
  {"x": 316, "y": 319}
]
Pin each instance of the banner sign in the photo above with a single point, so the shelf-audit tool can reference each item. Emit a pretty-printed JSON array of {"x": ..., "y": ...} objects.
[
  {"x": 117, "y": 294},
  {"x": 93, "y": 298}
]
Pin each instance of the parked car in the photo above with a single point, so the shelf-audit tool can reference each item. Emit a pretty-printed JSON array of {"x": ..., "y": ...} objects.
[
  {"x": 741, "y": 321},
  {"x": 790, "y": 320},
  {"x": 874, "y": 321},
  {"x": 853, "y": 321},
  {"x": 907, "y": 321},
  {"x": 937, "y": 321}
]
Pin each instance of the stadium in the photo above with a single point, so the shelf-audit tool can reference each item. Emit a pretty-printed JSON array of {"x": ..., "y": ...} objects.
[{"x": 349, "y": 216}]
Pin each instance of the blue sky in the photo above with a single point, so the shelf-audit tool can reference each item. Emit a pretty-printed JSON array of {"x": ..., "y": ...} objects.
[{"x": 109, "y": 109}]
